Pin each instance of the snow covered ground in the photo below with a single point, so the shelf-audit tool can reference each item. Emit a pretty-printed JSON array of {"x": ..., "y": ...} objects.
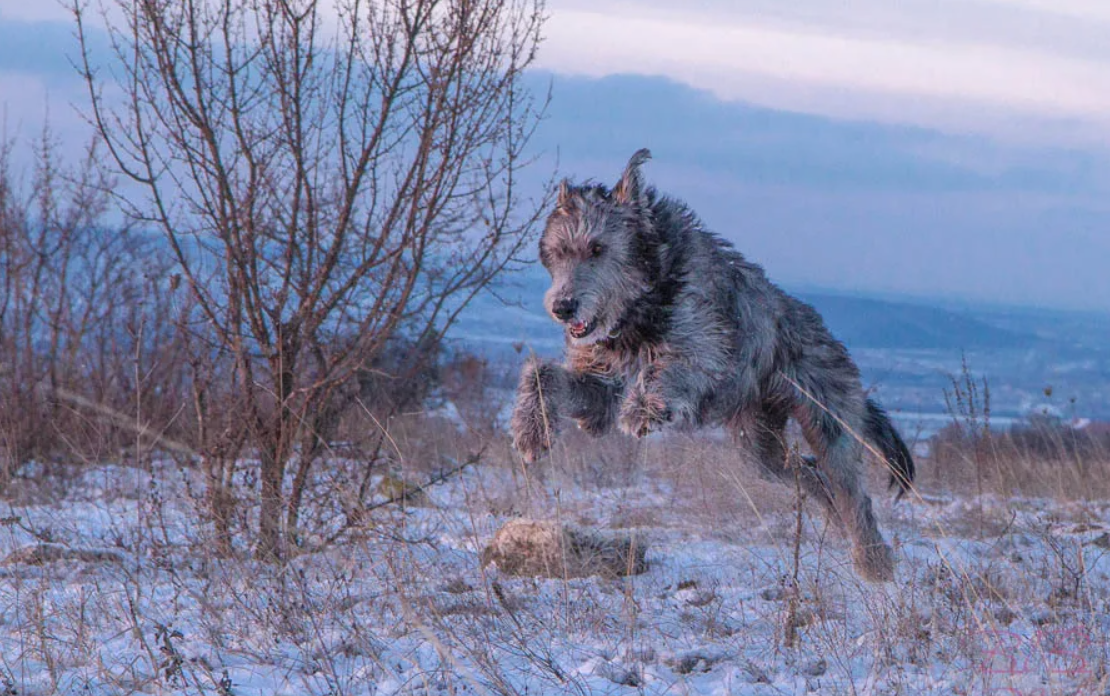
[{"x": 111, "y": 587}]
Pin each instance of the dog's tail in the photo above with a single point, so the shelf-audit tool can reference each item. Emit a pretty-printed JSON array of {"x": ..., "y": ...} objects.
[{"x": 880, "y": 431}]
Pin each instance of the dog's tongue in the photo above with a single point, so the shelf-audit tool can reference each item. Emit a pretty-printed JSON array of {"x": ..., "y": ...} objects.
[{"x": 577, "y": 326}]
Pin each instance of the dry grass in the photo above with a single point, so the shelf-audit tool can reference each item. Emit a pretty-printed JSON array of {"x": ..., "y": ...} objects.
[
  {"x": 1039, "y": 457},
  {"x": 388, "y": 607},
  {"x": 741, "y": 593},
  {"x": 1044, "y": 459}
]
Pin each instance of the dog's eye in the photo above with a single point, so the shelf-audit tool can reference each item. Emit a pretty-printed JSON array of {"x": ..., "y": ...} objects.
[{"x": 596, "y": 249}]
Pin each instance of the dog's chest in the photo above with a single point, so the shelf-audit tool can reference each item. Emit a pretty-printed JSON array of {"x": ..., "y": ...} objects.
[{"x": 617, "y": 362}]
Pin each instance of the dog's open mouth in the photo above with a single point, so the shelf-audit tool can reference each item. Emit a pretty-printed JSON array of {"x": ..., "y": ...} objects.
[{"x": 581, "y": 329}]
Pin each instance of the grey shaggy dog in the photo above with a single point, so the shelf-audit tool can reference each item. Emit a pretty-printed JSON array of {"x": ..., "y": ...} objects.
[{"x": 667, "y": 324}]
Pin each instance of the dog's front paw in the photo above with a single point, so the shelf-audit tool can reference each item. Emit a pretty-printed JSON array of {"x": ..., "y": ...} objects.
[
  {"x": 533, "y": 421},
  {"x": 531, "y": 442},
  {"x": 643, "y": 412},
  {"x": 531, "y": 430}
]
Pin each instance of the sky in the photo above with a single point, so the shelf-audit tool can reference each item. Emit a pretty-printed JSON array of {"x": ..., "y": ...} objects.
[{"x": 931, "y": 148}]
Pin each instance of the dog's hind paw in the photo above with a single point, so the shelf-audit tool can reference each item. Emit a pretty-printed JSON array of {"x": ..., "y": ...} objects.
[
  {"x": 642, "y": 413},
  {"x": 874, "y": 562}
]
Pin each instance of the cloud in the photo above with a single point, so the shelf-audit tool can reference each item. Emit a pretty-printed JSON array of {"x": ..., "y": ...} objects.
[
  {"x": 1085, "y": 10},
  {"x": 959, "y": 65},
  {"x": 611, "y": 117}
]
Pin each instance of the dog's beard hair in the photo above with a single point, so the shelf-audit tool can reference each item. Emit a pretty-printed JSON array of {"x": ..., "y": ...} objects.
[
  {"x": 607, "y": 305},
  {"x": 605, "y": 293}
]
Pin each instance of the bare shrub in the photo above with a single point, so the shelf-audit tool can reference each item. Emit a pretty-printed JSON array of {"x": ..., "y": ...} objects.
[
  {"x": 467, "y": 385},
  {"x": 84, "y": 303},
  {"x": 1039, "y": 455},
  {"x": 325, "y": 184}
]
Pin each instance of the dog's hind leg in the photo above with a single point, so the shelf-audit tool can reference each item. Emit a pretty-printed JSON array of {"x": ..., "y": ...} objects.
[
  {"x": 547, "y": 392},
  {"x": 839, "y": 456},
  {"x": 763, "y": 433}
]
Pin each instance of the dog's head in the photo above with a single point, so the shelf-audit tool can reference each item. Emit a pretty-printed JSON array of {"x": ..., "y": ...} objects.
[{"x": 595, "y": 246}]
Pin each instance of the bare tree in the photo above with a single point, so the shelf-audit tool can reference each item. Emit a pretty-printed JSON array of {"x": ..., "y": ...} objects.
[{"x": 327, "y": 175}]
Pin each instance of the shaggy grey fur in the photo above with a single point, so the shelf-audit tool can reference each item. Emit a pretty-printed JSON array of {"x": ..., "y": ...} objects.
[{"x": 666, "y": 323}]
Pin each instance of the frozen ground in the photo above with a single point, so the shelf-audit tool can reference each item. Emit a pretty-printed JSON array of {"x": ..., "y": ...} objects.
[{"x": 124, "y": 595}]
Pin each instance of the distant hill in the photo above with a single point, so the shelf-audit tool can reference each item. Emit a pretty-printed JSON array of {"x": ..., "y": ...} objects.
[{"x": 872, "y": 323}]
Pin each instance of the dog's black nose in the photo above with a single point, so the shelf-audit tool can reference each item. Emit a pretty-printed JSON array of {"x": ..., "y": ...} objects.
[{"x": 565, "y": 308}]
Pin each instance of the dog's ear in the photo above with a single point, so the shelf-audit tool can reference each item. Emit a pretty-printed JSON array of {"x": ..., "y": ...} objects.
[
  {"x": 562, "y": 196},
  {"x": 631, "y": 187}
]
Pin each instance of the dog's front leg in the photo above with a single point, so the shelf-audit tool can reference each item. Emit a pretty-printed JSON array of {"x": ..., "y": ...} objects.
[
  {"x": 663, "y": 394},
  {"x": 548, "y": 391}
]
